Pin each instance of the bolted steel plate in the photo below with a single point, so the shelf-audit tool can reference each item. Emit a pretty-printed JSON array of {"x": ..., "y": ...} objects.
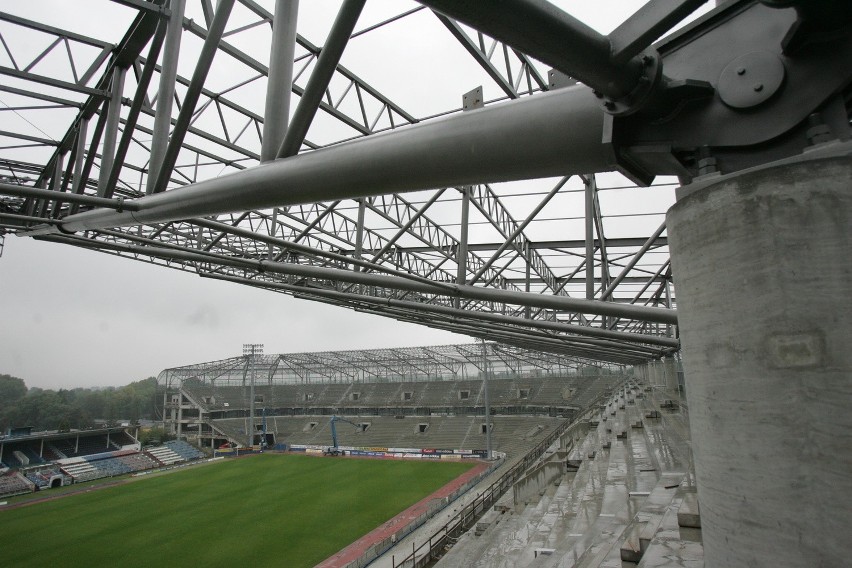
[{"x": 751, "y": 79}]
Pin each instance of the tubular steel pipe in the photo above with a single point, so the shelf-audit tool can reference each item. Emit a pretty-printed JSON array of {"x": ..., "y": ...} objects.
[
  {"x": 553, "y": 134},
  {"x": 543, "y": 31},
  {"x": 590, "y": 185},
  {"x": 327, "y": 62},
  {"x": 193, "y": 92},
  {"x": 636, "y": 258},
  {"x": 628, "y": 340},
  {"x": 561, "y": 303},
  {"x": 502, "y": 319},
  {"x": 165, "y": 94},
  {"x": 135, "y": 108},
  {"x": 276, "y": 115},
  {"x": 49, "y": 194},
  {"x": 111, "y": 132}
]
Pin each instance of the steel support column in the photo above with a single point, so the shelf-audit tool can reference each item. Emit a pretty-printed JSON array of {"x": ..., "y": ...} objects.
[
  {"x": 589, "y": 183},
  {"x": 279, "y": 84},
  {"x": 359, "y": 228},
  {"x": 487, "y": 400},
  {"x": 82, "y": 129},
  {"x": 461, "y": 258},
  {"x": 111, "y": 129},
  {"x": 165, "y": 94},
  {"x": 327, "y": 62},
  {"x": 193, "y": 92}
]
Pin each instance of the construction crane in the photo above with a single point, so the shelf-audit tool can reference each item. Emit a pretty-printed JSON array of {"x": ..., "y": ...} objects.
[{"x": 334, "y": 450}]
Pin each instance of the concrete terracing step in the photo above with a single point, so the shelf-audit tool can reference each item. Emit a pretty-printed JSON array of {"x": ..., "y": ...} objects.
[
  {"x": 669, "y": 548},
  {"x": 647, "y": 520},
  {"x": 689, "y": 515}
]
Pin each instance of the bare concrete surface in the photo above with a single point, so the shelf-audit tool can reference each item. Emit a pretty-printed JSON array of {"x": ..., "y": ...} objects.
[{"x": 627, "y": 494}]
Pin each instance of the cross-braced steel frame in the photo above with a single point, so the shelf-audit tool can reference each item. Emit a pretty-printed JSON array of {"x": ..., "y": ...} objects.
[
  {"x": 406, "y": 364},
  {"x": 435, "y": 162}
]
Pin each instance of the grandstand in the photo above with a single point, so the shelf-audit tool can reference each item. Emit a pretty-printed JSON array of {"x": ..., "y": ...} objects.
[
  {"x": 412, "y": 395},
  {"x": 593, "y": 463},
  {"x": 591, "y": 466},
  {"x": 45, "y": 460}
]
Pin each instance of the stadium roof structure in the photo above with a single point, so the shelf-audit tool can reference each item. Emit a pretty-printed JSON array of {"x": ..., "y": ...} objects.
[
  {"x": 435, "y": 363},
  {"x": 419, "y": 160}
]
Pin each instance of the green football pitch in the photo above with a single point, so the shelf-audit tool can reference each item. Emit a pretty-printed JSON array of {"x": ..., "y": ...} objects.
[{"x": 265, "y": 510}]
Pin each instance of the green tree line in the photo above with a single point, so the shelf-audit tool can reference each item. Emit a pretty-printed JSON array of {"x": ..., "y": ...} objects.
[{"x": 64, "y": 409}]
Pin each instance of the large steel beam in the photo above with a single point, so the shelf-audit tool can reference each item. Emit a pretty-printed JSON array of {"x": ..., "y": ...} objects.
[
  {"x": 590, "y": 185},
  {"x": 165, "y": 94},
  {"x": 276, "y": 115},
  {"x": 579, "y": 330},
  {"x": 540, "y": 29},
  {"x": 193, "y": 92},
  {"x": 50, "y": 195},
  {"x": 553, "y": 134},
  {"x": 111, "y": 131},
  {"x": 561, "y": 303},
  {"x": 135, "y": 107},
  {"x": 626, "y": 341},
  {"x": 326, "y": 64},
  {"x": 624, "y": 242}
]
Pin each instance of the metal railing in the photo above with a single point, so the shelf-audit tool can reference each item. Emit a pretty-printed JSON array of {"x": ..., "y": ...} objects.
[{"x": 466, "y": 518}]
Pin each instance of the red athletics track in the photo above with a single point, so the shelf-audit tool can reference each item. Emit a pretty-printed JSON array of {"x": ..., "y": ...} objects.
[{"x": 360, "y": 546}]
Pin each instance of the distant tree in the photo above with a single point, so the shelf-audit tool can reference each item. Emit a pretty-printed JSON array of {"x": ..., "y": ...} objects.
[
  {"x": 12, "y": 389},
  {"x": 154, "y": 436},
  {"x": 75, "y": 408}
]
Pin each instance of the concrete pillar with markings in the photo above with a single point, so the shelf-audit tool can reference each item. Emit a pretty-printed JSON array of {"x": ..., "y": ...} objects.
[{"x": 762, "y": 268}]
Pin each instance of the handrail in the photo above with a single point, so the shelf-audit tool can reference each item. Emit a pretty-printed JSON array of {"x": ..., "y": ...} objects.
[{"x": 470, "y": 513}]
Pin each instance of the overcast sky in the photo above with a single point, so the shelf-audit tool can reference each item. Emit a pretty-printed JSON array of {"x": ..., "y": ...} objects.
[
  {"x": 75, "y": 318},
  {"x": 72, "y": 317}
]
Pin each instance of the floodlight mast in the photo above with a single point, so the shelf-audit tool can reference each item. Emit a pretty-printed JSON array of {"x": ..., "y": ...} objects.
[{"x": 250, "y": 350}]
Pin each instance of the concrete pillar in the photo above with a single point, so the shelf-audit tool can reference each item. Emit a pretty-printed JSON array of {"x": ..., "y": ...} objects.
[
  {"x": 670, "y": 374},
  {"x": 762, "y": 267}
]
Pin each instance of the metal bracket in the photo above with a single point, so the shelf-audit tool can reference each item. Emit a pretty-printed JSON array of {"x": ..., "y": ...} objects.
[{"x": 473, "y": 100}]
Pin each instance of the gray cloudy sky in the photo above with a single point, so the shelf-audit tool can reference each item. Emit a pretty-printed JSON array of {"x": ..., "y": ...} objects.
[{"x": 72, "y": 317}]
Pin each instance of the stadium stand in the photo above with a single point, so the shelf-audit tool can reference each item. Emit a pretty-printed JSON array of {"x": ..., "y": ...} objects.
[
  {"x": 80, "y": 469},
  {"x": 13, "y": 483},
  {"x": 44, "y": 478},
  {"x": 215, "y": 414},
  {"x": 185, "y": 450},
  {"x": 51, "y": 459},
  {"x": 510, "y": 434},
  {"x": 174, "y": 451}
]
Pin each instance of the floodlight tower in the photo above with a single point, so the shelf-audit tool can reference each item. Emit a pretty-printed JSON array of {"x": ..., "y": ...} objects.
[{"x": 250, "y": 350}]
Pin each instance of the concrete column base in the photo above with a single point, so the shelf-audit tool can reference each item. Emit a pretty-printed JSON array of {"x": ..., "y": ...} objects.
[{"x": 762, "y": 263}]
